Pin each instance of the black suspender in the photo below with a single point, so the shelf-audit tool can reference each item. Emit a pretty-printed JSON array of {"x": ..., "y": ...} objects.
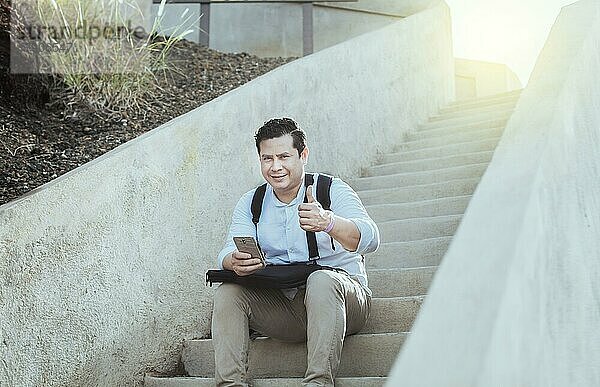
[
  {"x": 311, "y": 238},
  {"x": 323, "y": 190},
  {"x": 323, "y": 187},
  {"x": 257, "y": 201},
  {"x": 256, "y": 207},
  {"x": 323, "y": 196}
]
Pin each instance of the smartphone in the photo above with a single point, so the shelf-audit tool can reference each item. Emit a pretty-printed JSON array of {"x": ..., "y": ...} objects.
[{"x": 249, "y": 245}]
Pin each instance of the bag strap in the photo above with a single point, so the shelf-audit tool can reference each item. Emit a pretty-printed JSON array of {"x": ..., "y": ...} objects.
[
  {"x": 323, "y": 186},
  {"x": 257, "y": 202},
  {"x": 311, "y": 238},
  {"x": 256, "y": 208},
  {"x": 323, "y": 196}
]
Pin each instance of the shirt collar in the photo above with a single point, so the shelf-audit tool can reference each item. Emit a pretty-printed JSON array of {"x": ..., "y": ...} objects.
[{"x": 297, "y": 200}]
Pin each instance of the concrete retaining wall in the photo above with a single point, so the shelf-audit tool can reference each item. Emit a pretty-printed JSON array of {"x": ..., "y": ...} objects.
[
  {"x": 102, "y": 270},
  {"x": 138, "y": 11},
  {"x": 479, "y": 79},
  {"x": 398, "y": 7},
  {"x": 276, "y": 29},
  {"x": 516, "y": 299}
]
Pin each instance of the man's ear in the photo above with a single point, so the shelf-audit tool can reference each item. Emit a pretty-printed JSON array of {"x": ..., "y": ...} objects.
[{"x": 304, "y": 155}]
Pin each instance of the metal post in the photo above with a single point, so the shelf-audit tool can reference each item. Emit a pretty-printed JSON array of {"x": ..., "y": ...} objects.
[
  {"x": 204, "y": 24},
  {"x": 307, "y": 29}
]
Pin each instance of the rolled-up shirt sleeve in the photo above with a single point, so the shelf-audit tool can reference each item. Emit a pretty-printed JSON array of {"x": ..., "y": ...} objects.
[
  {"x": 346, "y": 203},
  {"x": 241, "y": 225}
]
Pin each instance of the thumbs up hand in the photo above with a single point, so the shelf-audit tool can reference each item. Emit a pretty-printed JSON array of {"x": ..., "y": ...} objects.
[
  {"x": 312, "y": 215},
  {"x": 309, "y": 195}
]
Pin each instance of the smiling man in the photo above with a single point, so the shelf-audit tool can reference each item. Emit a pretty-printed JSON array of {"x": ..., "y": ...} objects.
[{"x": 333, "y": 304}]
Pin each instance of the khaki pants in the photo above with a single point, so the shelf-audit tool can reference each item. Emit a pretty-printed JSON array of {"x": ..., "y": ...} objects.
[{"x": 332, "y": 305}]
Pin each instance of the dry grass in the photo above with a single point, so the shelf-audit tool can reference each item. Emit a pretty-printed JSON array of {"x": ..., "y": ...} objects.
[{"x": 95, "y": 55}]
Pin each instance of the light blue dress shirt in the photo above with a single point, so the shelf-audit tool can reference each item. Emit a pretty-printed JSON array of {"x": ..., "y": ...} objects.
[{"x": 283, "y": 241}]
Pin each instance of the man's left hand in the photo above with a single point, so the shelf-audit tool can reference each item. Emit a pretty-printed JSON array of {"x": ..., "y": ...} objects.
[{"x": 312, "y": 215}]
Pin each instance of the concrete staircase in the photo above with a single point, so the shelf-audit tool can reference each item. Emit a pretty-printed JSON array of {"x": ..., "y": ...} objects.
[{"x": 417, "y": 196}]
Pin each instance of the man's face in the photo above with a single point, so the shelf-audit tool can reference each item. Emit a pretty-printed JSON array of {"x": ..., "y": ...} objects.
[{"x": 281, "y": 166}]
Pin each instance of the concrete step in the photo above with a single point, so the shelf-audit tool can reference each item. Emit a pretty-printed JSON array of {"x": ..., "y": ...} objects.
[
  {"x": 500, "y": 106},
  {"x": 451, "y": 138},
  {"x": 430, "y": 164},
  {"x": 490, "y": 99},
  {"x": 396, "y": 296},
  {"x": 402, "y": 305},
  {"x": 400, "y": 282},
  {"x": 441, "y": 151},
  {"x": 435, "y": 207},
  {"x": 419, "y": 178},
  {"x": 416, "y": 193},
  {"x": 190, "y": 381},
  {"x": 364, "y": 355},
  {"x": 466, "y": 119},
  {"x": 425, "y": 132},
  {"x": 411, "y": 254},
  {"x": 480, "y": 106},
  {"x": 419, "y": 228},
  {"x": 393, "y": 314},
  {"x": 466, "y": 107}
]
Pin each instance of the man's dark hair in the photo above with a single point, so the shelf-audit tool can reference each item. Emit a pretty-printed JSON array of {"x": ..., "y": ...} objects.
[{"x": 278, "y": 127}]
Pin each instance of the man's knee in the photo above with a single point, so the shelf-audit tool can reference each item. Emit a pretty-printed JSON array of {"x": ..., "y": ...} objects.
[
  {"x": 228, "y": 291},
  {"x": 323, "y": 282},
  {"x": 227, "y": 295}
]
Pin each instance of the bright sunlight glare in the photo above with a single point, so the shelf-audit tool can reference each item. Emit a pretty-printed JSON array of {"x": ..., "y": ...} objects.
[{"x": 511, "y": 32}]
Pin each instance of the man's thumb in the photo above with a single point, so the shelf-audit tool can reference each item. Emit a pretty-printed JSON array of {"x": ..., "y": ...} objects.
[{"x": 309, "y": 195}]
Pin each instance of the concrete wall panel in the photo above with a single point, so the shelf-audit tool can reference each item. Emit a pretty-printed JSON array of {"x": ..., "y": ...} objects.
[
  {"x": 102, "y": 270},
  {"x": 270, "y": 30},
  {"x": 397, "y": 7},
  {"x": 260, "y": 29},
  {"x": 515, "y": 301},
  {"x": 480, "y": 79}
]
